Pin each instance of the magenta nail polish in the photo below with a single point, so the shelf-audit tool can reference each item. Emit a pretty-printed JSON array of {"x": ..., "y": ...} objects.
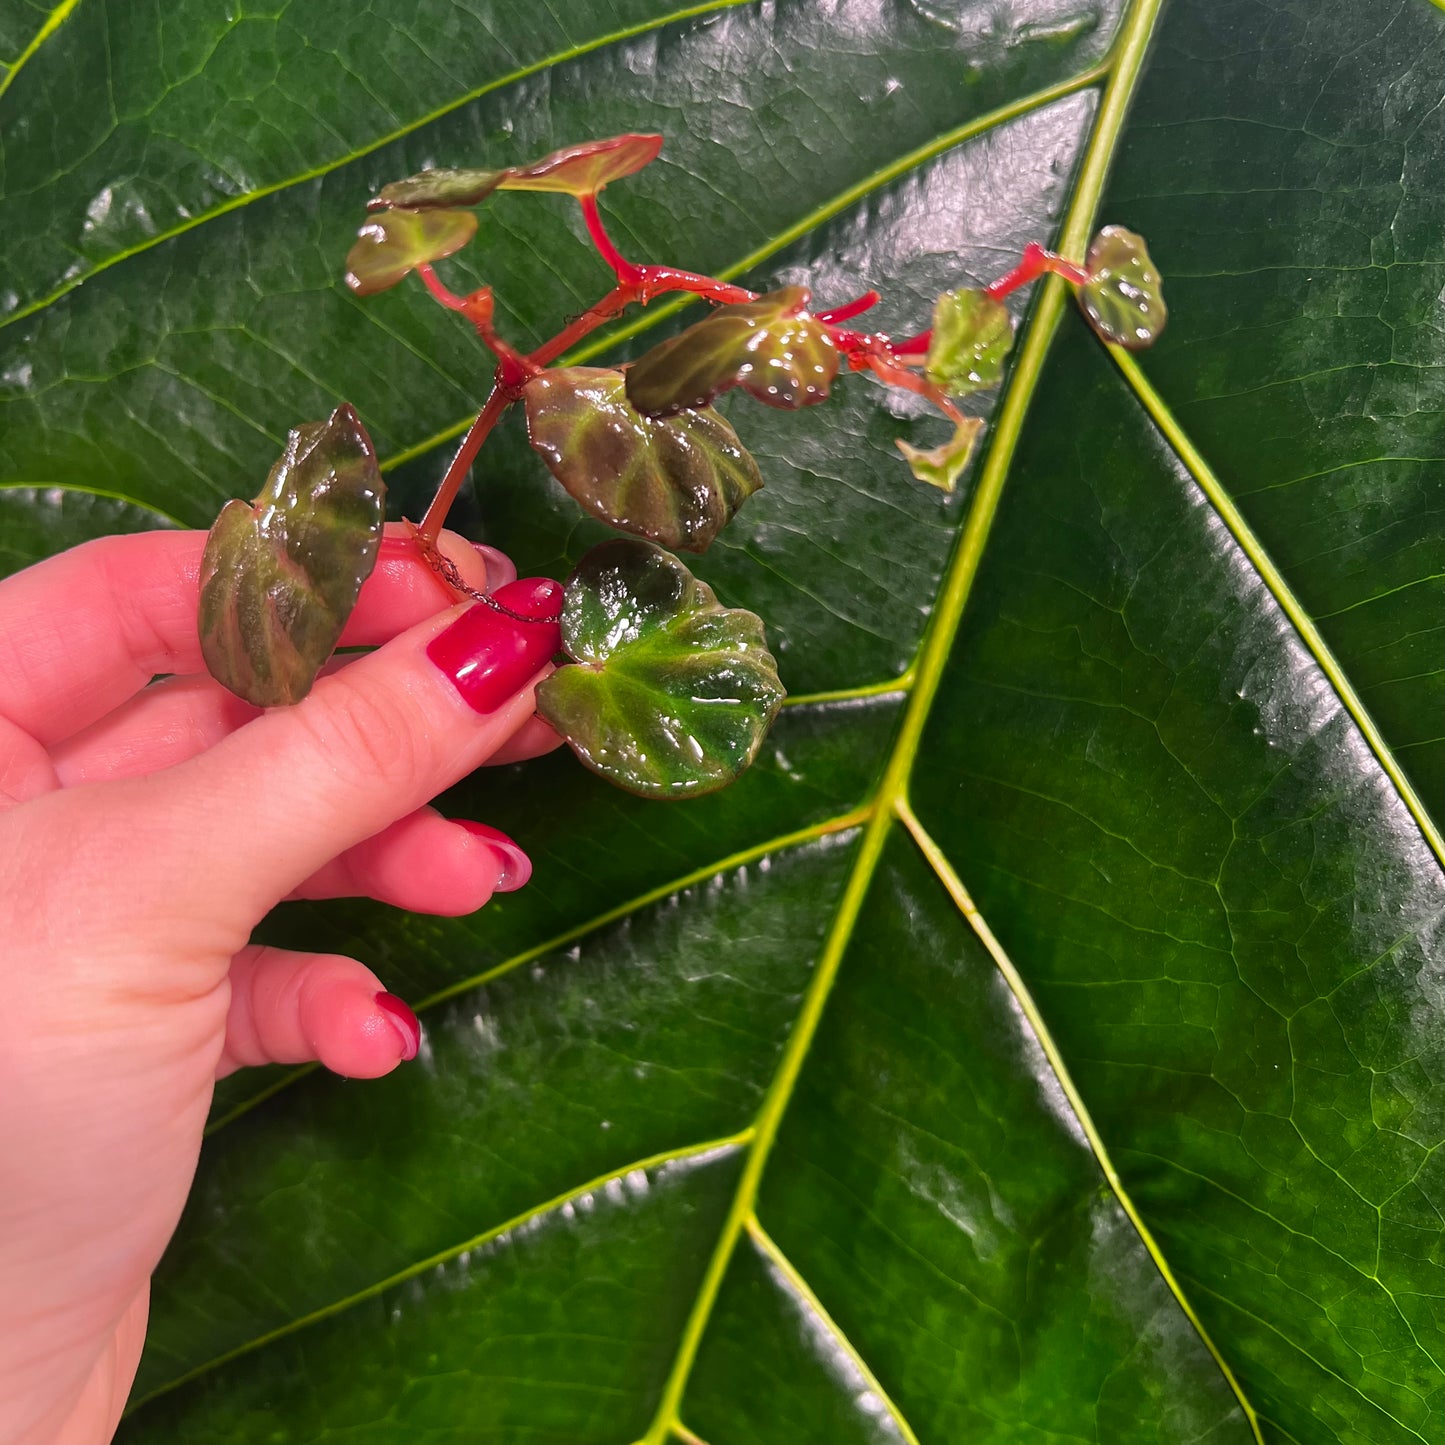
[
  {"x": 406, "y": 1023},
  {"x": 515, "y": 868},
  {"x": 488, "y": 655}
]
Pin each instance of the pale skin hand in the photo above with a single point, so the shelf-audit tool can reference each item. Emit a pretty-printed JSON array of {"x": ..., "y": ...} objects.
[{"x": 144, "y": 831}]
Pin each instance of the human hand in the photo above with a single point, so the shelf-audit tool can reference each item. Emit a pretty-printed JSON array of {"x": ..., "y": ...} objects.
[{"x": 145, "y": 828}]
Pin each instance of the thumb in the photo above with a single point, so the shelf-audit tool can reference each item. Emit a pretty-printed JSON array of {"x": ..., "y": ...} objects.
[{"x": 238, "y": 827}]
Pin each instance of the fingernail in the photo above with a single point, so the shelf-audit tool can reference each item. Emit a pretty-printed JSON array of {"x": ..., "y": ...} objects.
[
  {"x": 514, "y": 865},
  {"x": 406, "y": 1024},
  {"x": 488, "y": 655},
  {"x": 500, "y": 571}
]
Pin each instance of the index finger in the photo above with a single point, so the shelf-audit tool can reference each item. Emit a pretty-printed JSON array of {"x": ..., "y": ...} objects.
[{"x": 82, "y": 632}]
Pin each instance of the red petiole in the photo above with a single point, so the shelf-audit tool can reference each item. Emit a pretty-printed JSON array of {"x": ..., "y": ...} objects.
[
  {"x": 890, "y": 360},
  {"x": 1034, "y": 263}
]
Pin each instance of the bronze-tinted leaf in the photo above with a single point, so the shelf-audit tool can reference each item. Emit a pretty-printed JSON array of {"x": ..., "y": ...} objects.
[
  {"x": 440, "y": 187},
  {"x": 677, "y": 481},
  {"x": 675, "y": 692},
  {"x": 1123, "y": 297},
  {"x": 972, "y": 334},
  {"x": 280, "y": 575},
  {"x": 583, "y": 170},
  {"x": 771, "y": 347},
  {"x": 391, "y": 245},
  {"x": 941, "y": 466}
]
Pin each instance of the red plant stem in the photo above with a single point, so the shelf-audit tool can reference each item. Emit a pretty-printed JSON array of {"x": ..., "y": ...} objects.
[
  {"x": 436, "y": 514},
  {"x": 888, "y": 359},
  {"x": 849, "y": 309},
  {"x": 1033, "y": 264},
  {"x": 645, "y": 282},
  {"x": 913, "y": 345},
  {"x": 655, "y": 280},
  {"x": 477, "y": 308},
  {"x": 625, "y": 271},
  {"x": 440, "y": 290},
  {"x": 608, "y": 308}
]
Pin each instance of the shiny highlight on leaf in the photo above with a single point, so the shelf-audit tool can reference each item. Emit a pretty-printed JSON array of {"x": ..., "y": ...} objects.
[
  {"x": 771, "y": 347},
  {"x": 678, "y": 481},
  {"x": 280, "y": 575},
  {"x": 1124, "y": 296},
  {"x": 674, "y": 692},
  {"x": 972, "y": 335},
  {"x": 393, "y": 245}
]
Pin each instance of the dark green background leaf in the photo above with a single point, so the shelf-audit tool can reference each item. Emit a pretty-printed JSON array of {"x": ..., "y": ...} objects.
[{"x": 1131, "y": 1018}]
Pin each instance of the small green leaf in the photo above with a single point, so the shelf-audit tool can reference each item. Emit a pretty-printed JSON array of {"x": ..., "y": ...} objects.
[
  {"x": 972, "y": 334},
  {"x": 583, "y": 170},
  {"x": 674, "y": 693},
  {"x": 440, "y": 187},
  {"x": 390, "y": 246},
  {"x": 677, "y": 481},
  {"x": 280, "y": 575},
  {"x": 1123, "y": 297},
  {"x": 771, "y": 347},
  {"x": 941, "y": 466}
]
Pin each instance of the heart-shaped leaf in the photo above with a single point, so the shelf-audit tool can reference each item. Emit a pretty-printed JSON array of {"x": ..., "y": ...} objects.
[
  {"x": 280, "y": 575},
  {"x": 941, "y": 466},
  {"x": 583, "y": 170},
  {"x": 677, "y": 481},
  {"x": 393, "y": 244},
  {"x": 1123, "y": 297},
  {"x": 770, "y": 347},
  {"x": 673, "y": 693},
  {"x": 972, "y": 336},
  {"x": 440, "y": 186}
]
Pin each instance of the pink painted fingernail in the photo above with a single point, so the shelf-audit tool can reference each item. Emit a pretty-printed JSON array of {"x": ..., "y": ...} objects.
[
  {"x": 515, "y": 868},
  {"x": 500, "y": 571},
  {"x": 406, "y": 1023},
  {"x": 488, "y": 655}
]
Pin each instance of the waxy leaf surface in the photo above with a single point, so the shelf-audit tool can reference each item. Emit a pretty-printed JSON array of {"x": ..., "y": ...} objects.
[
  {"x": 393, "y": 244},
  {"x": 583, "y": 170},
  {"x": 280, "y": 575},
  {"x": 1123, "y": 297},
  {"x": 580, "y": 170},
  {"x": 673, "y": 693},
  {"x": 677, "y": 480},
  {"x": 440, "y": 186},
  {"x": 770, "y": 347},
  {"x": 1089, "y": 882},
  {"x": 941, "y": 466},
  {"x": 972, "y": 334}
]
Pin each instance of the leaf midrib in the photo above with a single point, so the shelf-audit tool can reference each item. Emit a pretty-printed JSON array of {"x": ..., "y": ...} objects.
[
  {"x": 1304, "y": 624},
  {"x": 444, "y": 1256},
  {"x": 891, "y": 800},
  {"x": 48, "y": 27}
]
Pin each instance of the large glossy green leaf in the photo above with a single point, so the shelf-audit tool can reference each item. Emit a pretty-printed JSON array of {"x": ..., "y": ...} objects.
[{"x": 1042, "y": 1041}]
